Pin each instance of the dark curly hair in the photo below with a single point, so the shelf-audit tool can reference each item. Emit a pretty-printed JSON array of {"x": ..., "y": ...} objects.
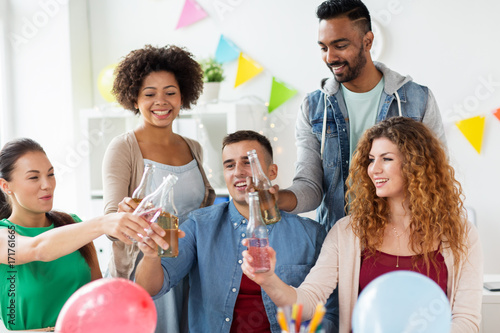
[
  {"x": 138, "y": 64},
  {"x": 435, "y": 196}
]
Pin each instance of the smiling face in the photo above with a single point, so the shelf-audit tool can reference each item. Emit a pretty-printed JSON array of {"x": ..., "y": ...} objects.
[
  {"x": 344, "y": 48},
  {"x": 237, "y": 168},
  {"x": 385, "y": 169},
  {"x": 159, "y": 100},
  {"x": 32, "y": 184}
]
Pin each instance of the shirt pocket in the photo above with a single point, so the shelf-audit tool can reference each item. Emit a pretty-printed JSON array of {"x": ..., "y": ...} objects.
[
  {"x": 331, "y": 154},
  {"x": 293, "y": 275}
]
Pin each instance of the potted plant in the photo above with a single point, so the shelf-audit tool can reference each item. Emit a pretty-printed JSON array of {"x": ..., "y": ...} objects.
[{"x": 213, "y": 75}]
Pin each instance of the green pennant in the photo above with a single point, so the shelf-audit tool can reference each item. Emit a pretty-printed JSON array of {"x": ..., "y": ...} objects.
[{"x": 280, "y": 93}]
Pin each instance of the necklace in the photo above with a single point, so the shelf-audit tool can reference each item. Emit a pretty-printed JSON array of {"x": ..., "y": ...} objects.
[{"x": 399, "y": 244}]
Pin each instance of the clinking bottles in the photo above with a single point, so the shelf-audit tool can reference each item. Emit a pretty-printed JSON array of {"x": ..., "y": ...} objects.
[
  {"x": 258, "y": 239},
  {"x": 262, "y": 184},
  {"x": 150, "y": 207},
  {"x": 143, "y": 189},
  {"x": 169, "y": 221}
]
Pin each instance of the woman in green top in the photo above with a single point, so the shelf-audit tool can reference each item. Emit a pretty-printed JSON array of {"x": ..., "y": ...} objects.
[{"x": 44, "y": 256}]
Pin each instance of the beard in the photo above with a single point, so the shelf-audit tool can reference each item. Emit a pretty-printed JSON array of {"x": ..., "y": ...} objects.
[{"x": 352, "y": 70}]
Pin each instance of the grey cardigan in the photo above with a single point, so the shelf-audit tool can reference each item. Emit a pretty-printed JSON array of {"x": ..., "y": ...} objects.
[{"x": 122, "y": 169}]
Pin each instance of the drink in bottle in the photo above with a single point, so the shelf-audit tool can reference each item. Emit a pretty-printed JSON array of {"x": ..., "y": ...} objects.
[
  {"x": 262, "y": 184},
  {"x": 144, "y": 186},
  {"x": 258, "y": 239}
]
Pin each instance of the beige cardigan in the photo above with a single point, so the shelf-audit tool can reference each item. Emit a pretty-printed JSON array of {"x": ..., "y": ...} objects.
[
  {"x": 122, "y": 169},
  {"x": 340, "y": 259}
]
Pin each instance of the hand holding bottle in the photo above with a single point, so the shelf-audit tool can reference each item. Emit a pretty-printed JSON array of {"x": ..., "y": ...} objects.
[
  {"x": 124, "y": 226},
  {"x": 250, "y": 271},
  {"x": 154, "y": 239}
]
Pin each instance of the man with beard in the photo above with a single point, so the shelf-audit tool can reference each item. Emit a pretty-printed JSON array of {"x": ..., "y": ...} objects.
[{"x": 333, "y": 118}]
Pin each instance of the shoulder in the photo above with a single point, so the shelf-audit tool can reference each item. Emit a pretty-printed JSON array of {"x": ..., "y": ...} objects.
[
  {"x": 75, "y": 218},
  {"x": 296, "y": 223},
  {"x": 193, "y": 144},
  {"x": 126, "y": 140},
  {"x": 208, "y": 214}
]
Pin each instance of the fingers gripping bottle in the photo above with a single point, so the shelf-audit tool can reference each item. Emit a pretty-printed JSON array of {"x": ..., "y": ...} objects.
[
  {"x": 169, "y": 221},
  {"x": 143, "y": 189},
  {"x": 258, "y": 239},
  {"x": 150, "y": 207},
  {"x": 268, "y": 205}
]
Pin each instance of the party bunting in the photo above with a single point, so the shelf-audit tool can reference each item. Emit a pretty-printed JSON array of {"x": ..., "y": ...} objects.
[
  {"x": 191, "y": 13},
  {"x": 497, "y": 113},
  {"x": 472, "y": 129},
  {"x": 280, "y": 93},
  {"x": 247, "y": 69},
  {"x": 226, "y": 50}
]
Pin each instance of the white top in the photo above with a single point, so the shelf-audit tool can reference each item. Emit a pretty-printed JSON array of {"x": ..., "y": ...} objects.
[{"x": 189, "y": 190}]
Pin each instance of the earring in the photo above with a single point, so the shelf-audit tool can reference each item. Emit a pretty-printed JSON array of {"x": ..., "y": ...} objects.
[{"x": 10, "y": 192}]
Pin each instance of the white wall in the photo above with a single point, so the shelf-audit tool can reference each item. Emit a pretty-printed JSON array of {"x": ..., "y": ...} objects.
[{"x": 448, "y": 45}]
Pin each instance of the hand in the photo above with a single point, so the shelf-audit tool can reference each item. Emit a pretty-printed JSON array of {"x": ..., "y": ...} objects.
[
  {"x": 248, "y": 270},
  {"x": 154, "y": 238},
  {"x": 127, "y": 205},
  {"x": 124, "y": 226}
]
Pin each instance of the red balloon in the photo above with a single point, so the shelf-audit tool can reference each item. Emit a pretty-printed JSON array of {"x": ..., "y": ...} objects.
[{"x": 108, "y": 305}]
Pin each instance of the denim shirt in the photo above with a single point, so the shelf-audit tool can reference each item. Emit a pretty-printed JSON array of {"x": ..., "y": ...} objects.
[
  {"x": 323, "y": 182},
  {"x": 211, "y": 253}
]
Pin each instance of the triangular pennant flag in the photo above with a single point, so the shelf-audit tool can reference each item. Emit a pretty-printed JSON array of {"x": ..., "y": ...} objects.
[
  {"x": 472, "y": 129},
  {"x": 497, "y": 113},
  {"x": 247, "y": 69},
  {"x": 226, "y": 50},
  {"x": 280, "y": 93},
  {"x": 191, "y": 13}
]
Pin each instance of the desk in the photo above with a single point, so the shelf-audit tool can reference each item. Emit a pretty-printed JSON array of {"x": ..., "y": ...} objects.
[{"x": 491, "y": 307}]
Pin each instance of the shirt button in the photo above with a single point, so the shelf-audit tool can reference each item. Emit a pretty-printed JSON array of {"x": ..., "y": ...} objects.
[
  {"x": 234, "y": 290},
  {"x": 244, "y": 222},
  {"x": 235, "y": 224},
  {"x": 243, "y": 235},
  {"x": 343, "y": 130},
  {"x": 227, "y": 319},
  {"x": 240, "y": 261}
]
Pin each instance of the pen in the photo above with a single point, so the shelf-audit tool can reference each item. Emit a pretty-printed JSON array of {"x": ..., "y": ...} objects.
[
  {"x": 298, "y": 318},
  {"x": 282, "y": 320},
  {"x": 318, "y": 316}
]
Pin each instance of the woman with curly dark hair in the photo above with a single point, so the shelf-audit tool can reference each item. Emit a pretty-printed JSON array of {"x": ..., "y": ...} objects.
[
  {"x": 155, "y": 83},
  {"x": 406, "y": 213}
]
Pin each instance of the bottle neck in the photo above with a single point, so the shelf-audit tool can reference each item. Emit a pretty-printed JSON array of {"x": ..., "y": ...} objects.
[
  {"x": 254, "y": 215},
  {"x": 258, "y": 176}
]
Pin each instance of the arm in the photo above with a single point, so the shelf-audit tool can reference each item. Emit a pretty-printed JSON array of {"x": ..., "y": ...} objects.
[
  {"x": 61, "y": 241},
  {"x": 466, "y": 305},
  {"x": 116, "y": 174},
  {"x": 149, "y": 273},
  {"x": 432, "y": 118},
  {"x": 279, "y": 292},
  {"x": 307, "y": 183}
]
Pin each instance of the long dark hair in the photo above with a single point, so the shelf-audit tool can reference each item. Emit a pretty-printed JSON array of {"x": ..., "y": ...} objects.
[{"x": 10, "y": 153}]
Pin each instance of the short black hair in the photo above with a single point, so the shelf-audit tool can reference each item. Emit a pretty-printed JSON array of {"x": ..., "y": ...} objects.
[
  {"x": 248, "y": 135},
  {"x": 355, "y": 10}
]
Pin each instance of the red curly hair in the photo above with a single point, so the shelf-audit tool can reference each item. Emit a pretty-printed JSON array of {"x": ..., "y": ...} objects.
[{"x": 434, "y": 195}]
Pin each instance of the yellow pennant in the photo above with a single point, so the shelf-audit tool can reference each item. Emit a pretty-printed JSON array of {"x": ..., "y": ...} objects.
[
  {"x": 473, "y": 129},
  {"x": 247, "y": 69}
]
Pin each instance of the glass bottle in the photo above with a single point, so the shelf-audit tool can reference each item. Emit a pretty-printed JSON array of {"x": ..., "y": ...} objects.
[
  {"x": 258, "y": 239},
  {"x": 150, "y": 207},
  {"x": 143, "y": 189},
  {"x": 169, "y": 221},
  {"x": 262, "y": 184}
]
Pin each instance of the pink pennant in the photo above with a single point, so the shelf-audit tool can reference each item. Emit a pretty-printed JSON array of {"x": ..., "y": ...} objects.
[{"x": 191, "y": 13}]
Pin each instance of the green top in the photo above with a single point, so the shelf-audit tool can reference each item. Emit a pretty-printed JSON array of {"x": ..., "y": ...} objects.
[
  {"x": 362, "y": 108},
  {"x": 33, "y": 294}
]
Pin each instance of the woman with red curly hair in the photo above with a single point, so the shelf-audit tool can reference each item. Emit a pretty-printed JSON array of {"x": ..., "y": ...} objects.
[
  {"x": 155, "y": 83},
  {"x": 406, "y": 213}
]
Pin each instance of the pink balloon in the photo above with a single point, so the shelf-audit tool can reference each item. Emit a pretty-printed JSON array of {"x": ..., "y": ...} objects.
[{"x": 108, "y": 305}]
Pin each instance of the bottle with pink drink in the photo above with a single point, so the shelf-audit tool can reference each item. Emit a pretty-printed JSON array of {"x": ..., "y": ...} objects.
[{"x": 258, "y": 238}]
